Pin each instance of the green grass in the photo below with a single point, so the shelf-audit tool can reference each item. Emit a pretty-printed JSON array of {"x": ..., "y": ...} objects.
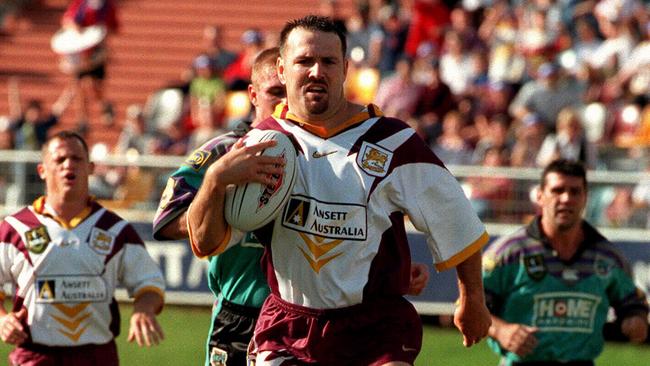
[{"x": 186, "y": 329}]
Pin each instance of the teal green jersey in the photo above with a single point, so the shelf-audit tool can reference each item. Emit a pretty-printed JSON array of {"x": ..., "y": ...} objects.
[
  {"x": 525, "y": 282},
  {"x": 235, "y": 275}
]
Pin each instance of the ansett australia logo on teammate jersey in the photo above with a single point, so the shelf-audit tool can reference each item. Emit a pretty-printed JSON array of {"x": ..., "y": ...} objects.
[
  {"x": 565, "y": 311},
  {"x": 329, "y": 220},
  {"x": 61, "y": 289}
]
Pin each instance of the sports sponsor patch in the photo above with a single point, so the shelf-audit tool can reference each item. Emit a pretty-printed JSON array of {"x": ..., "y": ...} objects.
[
  {"x": 62, "y": 289},
  {"x": 37, "y": 239},
  {"x": 198, "y": 159},
  {"x": 565, "y": 312},
  {"x": 101, "y": 241},
  {"x": 326, "y": 219},
  {"x": 603, "y": 266},
  {"x": 218, "y": 357},
  {"x": 535, "y": 266},
  {"x": 374, "y": 159},
  {"x": 167, "y": 195}
]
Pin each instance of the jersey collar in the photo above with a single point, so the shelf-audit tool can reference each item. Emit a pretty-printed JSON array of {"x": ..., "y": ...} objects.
[
  {"x": 41, "y": 207},
  {"x": 282, "y": 112}
]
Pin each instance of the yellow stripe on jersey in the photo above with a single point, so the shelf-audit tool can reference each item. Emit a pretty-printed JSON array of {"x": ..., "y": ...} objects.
[
  {"x": 282, "y": 112},
  {"x": 197, "y": 252},
  {"x": 464, "y": 254},
  {"x": 39, "y": 207}
]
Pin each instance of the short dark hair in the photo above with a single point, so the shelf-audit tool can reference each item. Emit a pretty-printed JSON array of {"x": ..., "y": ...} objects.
[
  {"x": 313, "y": 23},
  {"x": 571, "y": 168},
  {"x": 66, "y": 135}
]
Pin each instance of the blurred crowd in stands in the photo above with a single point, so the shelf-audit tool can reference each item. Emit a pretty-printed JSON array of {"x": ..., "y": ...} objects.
[{"x": 485, "y": 82}]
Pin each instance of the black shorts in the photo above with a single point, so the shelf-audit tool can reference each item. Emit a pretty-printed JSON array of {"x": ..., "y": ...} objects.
[
  {"x": 98, "y": 72},
  {"x": 232, "y": 330}
]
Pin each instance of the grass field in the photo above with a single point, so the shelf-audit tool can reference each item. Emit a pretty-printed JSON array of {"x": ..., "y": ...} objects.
[{"x": 186, "y": 328}]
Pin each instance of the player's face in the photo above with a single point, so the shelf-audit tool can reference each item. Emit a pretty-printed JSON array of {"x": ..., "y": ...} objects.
[
  {"x": 313, "y": 69},
  {"x": 65, "y": 169},
  {"x": 562, "y": 200},
  {"x": 266, "y": 92}
]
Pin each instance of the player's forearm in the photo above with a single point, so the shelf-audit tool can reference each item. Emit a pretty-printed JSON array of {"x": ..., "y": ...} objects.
[
  {"x": 148, "y": 302},
  {"x": 205, "y": 219},
  {"x": 176, "y": 229},
  {"x": 470, "y": 282}
]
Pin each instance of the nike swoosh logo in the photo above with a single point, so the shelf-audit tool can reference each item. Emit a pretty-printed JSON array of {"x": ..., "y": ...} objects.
[
  {"x": 408, "y": 349},
  {"x": 317, "y": 155}
]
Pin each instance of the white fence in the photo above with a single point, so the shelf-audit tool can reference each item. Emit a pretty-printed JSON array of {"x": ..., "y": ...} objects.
[{"x": 132, "y": 186}]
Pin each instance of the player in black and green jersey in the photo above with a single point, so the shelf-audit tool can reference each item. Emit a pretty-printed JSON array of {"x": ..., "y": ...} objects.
[
  {"x": 549, "y": 285},
  {"x": 234, "y": 276}
]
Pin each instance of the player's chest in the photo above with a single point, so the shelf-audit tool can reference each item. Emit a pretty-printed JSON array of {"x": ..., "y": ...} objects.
[{"x": 53, "y": 249}]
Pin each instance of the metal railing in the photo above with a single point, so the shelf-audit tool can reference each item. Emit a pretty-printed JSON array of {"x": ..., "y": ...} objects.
[{"x": 132, "y": 185}]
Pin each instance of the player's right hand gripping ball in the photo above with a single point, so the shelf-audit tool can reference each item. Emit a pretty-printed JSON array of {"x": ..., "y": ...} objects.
[{"x": 252, "y": 205}]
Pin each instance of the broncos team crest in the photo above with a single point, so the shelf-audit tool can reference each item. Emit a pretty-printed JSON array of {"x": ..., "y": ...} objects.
[
  {"x": 374, "y": 160},
  {"x": 37, "y": 240}
]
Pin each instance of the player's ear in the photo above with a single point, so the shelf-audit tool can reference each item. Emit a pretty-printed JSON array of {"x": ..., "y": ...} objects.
[
  {"x": 280, "y": 66},
  {"x": 345, "y": 69},
  {"x": 40, "y": 169},
  {"x": 91, "y": 168},
  {"x": 252, "y": 94}
]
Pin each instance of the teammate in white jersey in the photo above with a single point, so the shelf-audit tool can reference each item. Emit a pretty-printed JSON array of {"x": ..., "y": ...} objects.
[
  {"x": 64, "y": 256},
  {"x": 337, "y": 259}
]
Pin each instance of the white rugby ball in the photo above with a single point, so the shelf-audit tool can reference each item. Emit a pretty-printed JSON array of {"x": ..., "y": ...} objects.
[{"x": 250, "y": 206}]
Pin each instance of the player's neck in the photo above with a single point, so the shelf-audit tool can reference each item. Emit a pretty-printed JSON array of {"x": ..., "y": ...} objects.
[
  {"x": 565, "y": 242},
  {"x": 342, "y": 114},
  {"x": 65, "y": 207}
]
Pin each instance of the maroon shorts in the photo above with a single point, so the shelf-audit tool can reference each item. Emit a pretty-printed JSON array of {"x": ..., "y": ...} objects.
[
  {"x": 373, "y": 333},
  {"x": 86, "y": 355}
]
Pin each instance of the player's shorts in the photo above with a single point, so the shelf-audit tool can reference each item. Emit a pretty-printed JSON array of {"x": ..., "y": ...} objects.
[
  {"x": 372, "y": 333},
  {"x": 232, "y": 330},
  {"x": 86, "y": 355}
]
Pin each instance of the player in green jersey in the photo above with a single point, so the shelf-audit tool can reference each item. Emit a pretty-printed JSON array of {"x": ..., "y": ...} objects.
[{"x": 550, "y": 284}]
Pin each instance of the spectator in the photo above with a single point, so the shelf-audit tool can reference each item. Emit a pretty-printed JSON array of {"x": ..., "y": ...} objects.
[
  {"x": 398, "y": 94},
  {"x": 393, "y": 39},
  {"x": 496, "y": 136},
  {"x": 491, "y": 194},
  {"x": 220, "y": 56},
  {"x": 641, "y": 197},
  {"x": 207, "y": 92},
  {"x": 363, "y": 36},
  {"x": 456, "y": 64},
  {"x": 569, "y": 142},
  {"x": 134, "y": 133},
  {"x": 429, "y": 19},
  {"x": 436, "y": 100},
  {"x": 238, "y": 74},
  {"x": 90, "y": 75},
  {"x": 529, "y": 137},
  {"x": 547, "y": 95},
  {"x": 31, "y": 124},
  {"x": 451, "y": 147},
  {"x": 587, "y": 41}
]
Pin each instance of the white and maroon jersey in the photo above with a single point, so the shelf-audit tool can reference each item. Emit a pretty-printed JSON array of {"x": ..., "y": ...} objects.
[
  {"x": 341, "y": 239},
  {"x": 65, "y": 274}
]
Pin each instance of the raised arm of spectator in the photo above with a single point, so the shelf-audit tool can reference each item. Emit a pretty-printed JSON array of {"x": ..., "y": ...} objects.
[
  {"x": 63, "y": 101},
  {"x": 13, "y": 95}
]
